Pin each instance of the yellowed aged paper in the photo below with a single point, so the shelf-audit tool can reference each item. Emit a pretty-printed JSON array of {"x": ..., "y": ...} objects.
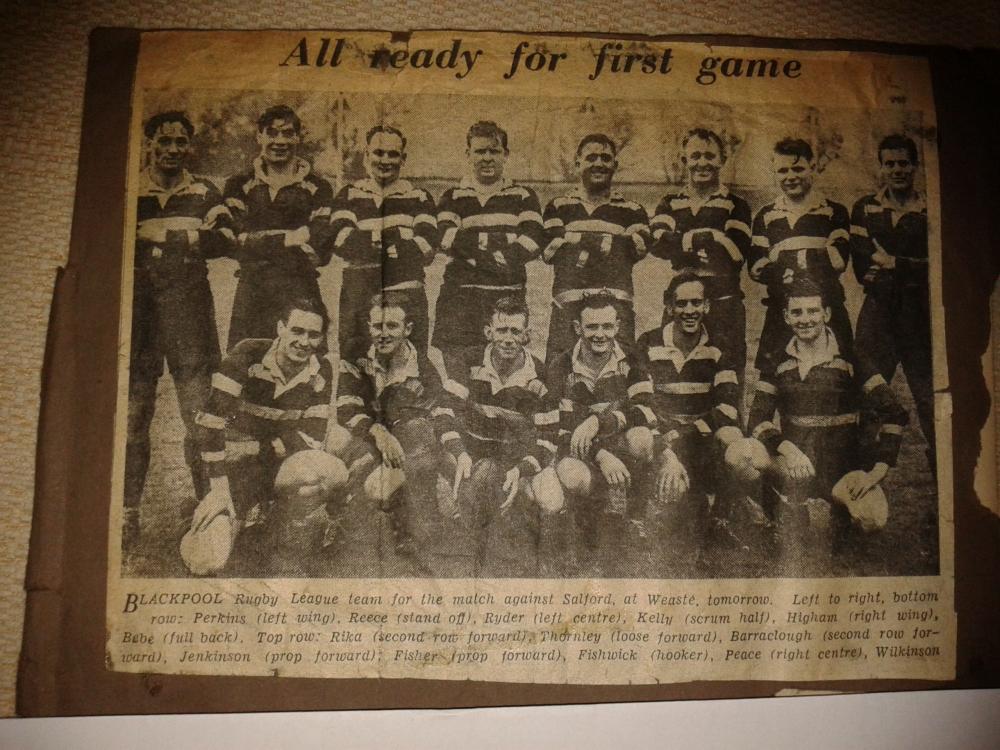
[{"x": 646, "y": 598}]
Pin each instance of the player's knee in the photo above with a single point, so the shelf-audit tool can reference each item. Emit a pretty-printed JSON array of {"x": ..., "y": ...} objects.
[
  {"x": 383, "y": 482},
  {"x": 486, "y": 476},
  {"x": 640, "y": 443},
  {"x": 547, "y": 491},
  {"x": 338, "y": 438},
  {"x": 574, "y": 475}
]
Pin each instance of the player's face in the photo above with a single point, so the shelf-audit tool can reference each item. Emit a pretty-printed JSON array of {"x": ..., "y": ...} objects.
[
  {"x": 278, "y": 142},
  {"x": 597, "y": 166},
  {"x": 897, "y": 169},
  {"x": 300, "y": 336},
  {"x": 508, "y": 334},
  {"x": 384, "y": 158},
  {"x": 487, "y": 157},
  {"x": 689, "y": 306},
  {"x": 794, "y": 175},
  {"x": 703, "y": 161},
  {"x": 171, "y": 147},
  {"x": 807, "y": 317},
  {"x": 597, "y": 329},
  {"x": 388, "y": 329}
]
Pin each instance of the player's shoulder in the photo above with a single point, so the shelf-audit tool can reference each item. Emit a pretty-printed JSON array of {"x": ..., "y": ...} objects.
[
  {"x": 864, "y": 201},
  {"x": 651, "y": 338},
  {"x": 249, "y": 350},
  {"x": 204, "y": 186},
  {"x": 521, "y": 191}
]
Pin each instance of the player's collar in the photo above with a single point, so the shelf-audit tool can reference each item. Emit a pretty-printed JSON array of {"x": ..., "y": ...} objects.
[
  {"x": 149, "y": 187},
  {"x": 579, "y": 194},
  {"x": 276, "y": 182},
  {"x": 271, "y": 370},
  {"x": 520, "y": 377},
  {"x": 674, "y": 353},
  {"x": 610, "y": 367},
  {"x": 687, "y": 192},
  {"x": 469, "y": 183},
  {"x": 398, "y": 187},
  {"x": 815, "y": 201},
  {"x": 916, "y": 204},
  {"x": 824, "y": 355},
  {"x": 395, "y": 374}
]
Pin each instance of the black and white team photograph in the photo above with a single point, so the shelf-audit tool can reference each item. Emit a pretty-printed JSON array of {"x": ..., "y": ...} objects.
[{"x": 445, "y": 336}]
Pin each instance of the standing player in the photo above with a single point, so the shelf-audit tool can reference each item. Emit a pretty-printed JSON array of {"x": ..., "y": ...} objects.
[
  {"x": 385, "y": 230},
  {"x": 273, "y": 205},
  {"x": 501, "y": 396},
  {"x": 594, "y": 236},
  {"x": 393, "y": 405},
  {"x": 695, "y": 393},
  {"x": 490, "y": 228},
  {"x": 706, "y": 229},
  {"x": 801, "y": 235},
  {"x": 595, "y": 393},
  {"x": 275, "y": 393},
  {"x": 889, "y": 250},
  {"x": 836, "y": 418},
  {"x": 180, "y": 223}
]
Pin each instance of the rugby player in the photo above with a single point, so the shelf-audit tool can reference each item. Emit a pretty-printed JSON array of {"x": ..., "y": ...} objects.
[
  {"x": 695, "y": 393},
  {"x": 180, "y": 222},
  {"x": 490, "y": 228},
  {"x": 400, "y": 430},
  {"x": 594, "y": 237},
  {"x": 801, "y": 235},
  {"x": 385, "y": 230},
  {"x": 501, "y": 397},
  {"x": 889, "y": 253},
  {"x": 705, "y": 228},
  {"x": 271, "y": 400},
  {"x": 281, "y": 211},
  {"x": 836, "y": 418}
]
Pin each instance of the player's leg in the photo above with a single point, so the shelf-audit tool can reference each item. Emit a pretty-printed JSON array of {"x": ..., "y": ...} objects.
[
  {"x": 913, "y": 333},
  {"x": 356, "y": 291},
  {"x": 561, "y": 335},
  {"x": 774, "y": 336}
]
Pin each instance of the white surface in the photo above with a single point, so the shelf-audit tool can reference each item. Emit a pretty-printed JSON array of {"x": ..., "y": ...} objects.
[{"x": 969, "y": 720}]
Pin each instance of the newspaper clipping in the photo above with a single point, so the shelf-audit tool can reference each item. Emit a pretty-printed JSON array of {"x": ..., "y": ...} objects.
[{"x": 517, "y": 358}]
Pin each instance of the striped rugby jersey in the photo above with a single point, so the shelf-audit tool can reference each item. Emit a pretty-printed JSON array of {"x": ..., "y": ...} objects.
[
  {"x": 710, "y": 237},
  {"x": 822, "y": 405},
  {"x": 196, "y": 223},
  {"x": 594, "y": 246},
  {"x": 368, "y": 393},
  {"x": 792, "y": 242},
  {"x": 251, "y": 396},
  {"x": 264, "y": 208},
  {"x": 900, "y": 230},
  {"x": 616, "y": 395},
  {"x": 394, "y": 229},
  {"x": 495, "y": 233},
  {"x": 501, "y": 417},
  {"x": 695, "y": 394}
]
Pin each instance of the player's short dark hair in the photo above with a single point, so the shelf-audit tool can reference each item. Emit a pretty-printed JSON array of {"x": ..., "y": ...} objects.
[
  {"x": 511, "y": 306},
  {"x": 705, "y": 134},
  {"x": 487, "y": 129},
  {"x": 306, "y": 304},
  {"x": 598, "y": 301},
  {"x": 390, "y": 298},
  {"x": 898, "y": 141},
  {"x": 601, "y": 138},
  {"x": 684, "y": 277},
  {"x": 157, "y": 121},
  {"x": 387, "y": 129},
  {"x": 804, "y": 287},
  {"x": 279, "y": 112},
  {"x": 794, "y": 147}
]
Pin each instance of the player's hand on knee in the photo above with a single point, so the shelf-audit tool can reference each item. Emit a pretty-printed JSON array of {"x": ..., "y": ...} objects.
[
  {"x": 728, "y": 435},
  {"x": 463, "y": 470},
  {"x": 672, "y": 482},
  {"x": 583, "y": 437},
  {"x": 387, "y": 444},
  {"x": 614, "y": 471},
  {"x": 797, "y": 463},
  {"x": 511, "y": 484},
  {"x": 214, "y": 504}
]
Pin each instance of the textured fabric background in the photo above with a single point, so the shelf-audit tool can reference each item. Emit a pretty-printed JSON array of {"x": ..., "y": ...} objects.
[{"x": 43, "y": 59}]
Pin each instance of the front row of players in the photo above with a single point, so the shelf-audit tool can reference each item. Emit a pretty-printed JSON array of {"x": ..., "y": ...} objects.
[{"x": 603, "y": 453}]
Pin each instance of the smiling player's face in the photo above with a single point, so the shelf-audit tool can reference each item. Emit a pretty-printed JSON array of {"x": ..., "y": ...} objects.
[{"x": 794, "y": 175}]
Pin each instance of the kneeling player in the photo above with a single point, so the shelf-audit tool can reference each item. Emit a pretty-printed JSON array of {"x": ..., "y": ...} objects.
[
  {"x": 595, "y": 392},
  {"x": 501, "y": 395},
  {"x": 395, "y": 414},
  {"x": 274, "y": 395},
  {"x": 694, "y": 396},
  {"x": 839, "y": 431}
]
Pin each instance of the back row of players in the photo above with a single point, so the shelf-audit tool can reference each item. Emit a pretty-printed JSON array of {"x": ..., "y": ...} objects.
[{"x": 661, "y": 414}]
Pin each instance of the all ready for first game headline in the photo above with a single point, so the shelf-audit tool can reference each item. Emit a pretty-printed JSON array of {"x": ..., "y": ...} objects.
[{"x": 610, "y": 58}]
